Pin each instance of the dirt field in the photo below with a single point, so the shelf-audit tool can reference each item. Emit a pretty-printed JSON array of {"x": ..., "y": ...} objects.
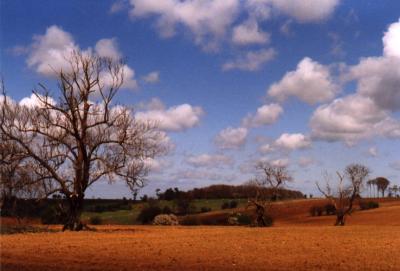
[{"x": 371, "y": 241}]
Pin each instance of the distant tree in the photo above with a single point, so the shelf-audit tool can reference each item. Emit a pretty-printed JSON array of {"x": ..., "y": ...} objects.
[
  {"x": 273, "y": 177},
  {"x": 382, "y": 184},
  {"x": 81, "y": 137},
  {"x": 344, "y": 196}
]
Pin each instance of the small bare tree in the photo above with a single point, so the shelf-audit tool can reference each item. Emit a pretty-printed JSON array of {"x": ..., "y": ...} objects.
[
  {"x": 344, "y": 196},
  {"x": 81, "y": 138},
  {"x": 272, "y": 177}
]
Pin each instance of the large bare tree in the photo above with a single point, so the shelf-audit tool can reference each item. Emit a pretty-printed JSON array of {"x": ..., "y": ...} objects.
[
  {"x": 82, "y": 137},
  {"x": 270, "y": 176},
  {"x": 346, "y": 193}
]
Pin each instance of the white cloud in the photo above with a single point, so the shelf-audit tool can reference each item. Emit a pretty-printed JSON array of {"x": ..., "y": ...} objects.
[
  {"x": 266, "y": 148},
  {"x": 306, "y": 10},
  {"x": 373, "y": 151},
  {"x": 231, "y": 138},
  {"x": 265, "y": 115},
  {"x": 306, "y": 161},
  {"x": 176, "y": 118},
  {"x": 293, "y": 141},
  {"x": 108, "y": 48},
  {"x": 34, "y": 101},
  {"x": 391, "y": 40},
  {"x": 250, "y": 61},
  {"x": 379, "y": 79},
  {"x": 49, "y": 54},
  {"x": 352, "y": 118},
  {"x": 204, "y": 175},
  {"x": 206, "y": 19},
  {"x": 152, "y": 77},
  {"x": 283, "y": 162},
  {"x": 311, "y": 82},
  {"x": 248, "y": 33},
  {"x": 209, "y": 160}
]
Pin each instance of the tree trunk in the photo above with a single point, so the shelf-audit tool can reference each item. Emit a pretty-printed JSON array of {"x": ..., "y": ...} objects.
[
  {"x": 340, "y": 219},
  {"x": 73, "y": 219}
]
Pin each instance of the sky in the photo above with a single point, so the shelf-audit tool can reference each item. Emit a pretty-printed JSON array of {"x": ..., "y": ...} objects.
[{"x": 314, "y": 85}]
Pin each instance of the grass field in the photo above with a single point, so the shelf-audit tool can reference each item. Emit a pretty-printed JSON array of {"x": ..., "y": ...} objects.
[
  {"x": 370, "y": 241},
  {"x": 128, "y": 217}
]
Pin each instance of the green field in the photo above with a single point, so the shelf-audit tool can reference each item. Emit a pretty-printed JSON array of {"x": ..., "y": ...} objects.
[{"x": 128, "y": 217}]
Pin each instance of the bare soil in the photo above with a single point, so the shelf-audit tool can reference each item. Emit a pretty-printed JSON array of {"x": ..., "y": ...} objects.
[{"x": 370, "y": 241}]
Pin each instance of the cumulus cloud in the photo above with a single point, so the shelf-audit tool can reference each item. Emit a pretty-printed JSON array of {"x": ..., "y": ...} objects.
[
  {"x": 351, "y": 119},
  {"x": 49, "y": 54},
  {"x": 293, "y": 141},
  {"x": 206, "y": 19},
  {"x": 33, "y": 101},
  {"x": 391, "y": 40},
  {"x": 176, "y": 118},
  {"x": 251, "y": 60},
  {"x": 282, "y": 162},
  {"x": 306, "y": 11},
  {"x": 265, "y": 115},
  {"x": 248, "y": 33},
  {"x": 311, "y": 82},
  {"x": 209, "y": 160},
  {"x": 209, "y": 20},
  {"x": 152, "y": 77},
  {"x": 366, "y": 113},
  {"x": 231, "y": 138}
]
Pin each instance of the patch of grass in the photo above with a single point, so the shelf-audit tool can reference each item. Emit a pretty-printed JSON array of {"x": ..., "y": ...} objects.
[{"x": 13, "y": 229}]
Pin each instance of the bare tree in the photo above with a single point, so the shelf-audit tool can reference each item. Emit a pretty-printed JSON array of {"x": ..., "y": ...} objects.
[
  {"x": 344, "y": 196},
  {"x": 273, "y": 177},
  {"x": 81, "y": 138}
]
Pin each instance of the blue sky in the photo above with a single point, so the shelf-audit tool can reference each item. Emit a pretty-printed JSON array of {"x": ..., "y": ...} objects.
[{"x": 311, "y": 84}]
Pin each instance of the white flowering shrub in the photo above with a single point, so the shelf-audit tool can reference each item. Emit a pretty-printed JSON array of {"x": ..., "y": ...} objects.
[{"x": 166, "y": 220}]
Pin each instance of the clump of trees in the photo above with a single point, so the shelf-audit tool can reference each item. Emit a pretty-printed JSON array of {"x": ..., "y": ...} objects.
[
  {"x": 378, "y": 185},
  {"x": 273, "y": 177},
  {"x": 347, "y": 190},
  {"x": 72, "y": 141}
]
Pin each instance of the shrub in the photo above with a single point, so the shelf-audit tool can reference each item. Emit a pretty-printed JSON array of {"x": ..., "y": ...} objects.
[
  {"x": 225, "y": 205},
  {"x": 95, "y": 220},
  {"x": 366, "y": 205},
  {"x": 191, "y": 220},
  {"x": 167, "y": 210},
  {"x": 233, "y": 221},
  {"x": 185, "y": 206},
  {"x": 316, "y": 211},
  {"x": 50, "y": 216},
  {"x": 148, "y": 213},
  {"x": 233, "y": 204},
  {"x": 269, "y": 221},
  {"x": 330, "y": 209},
  {"x": 205, "y": 209},
  {"x": 166, "y": 220},
  {"x": 244, "y": 219}
]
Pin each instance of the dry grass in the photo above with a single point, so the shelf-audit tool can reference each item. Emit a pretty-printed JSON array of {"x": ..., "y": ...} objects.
[{"x": 370, "y": 242}]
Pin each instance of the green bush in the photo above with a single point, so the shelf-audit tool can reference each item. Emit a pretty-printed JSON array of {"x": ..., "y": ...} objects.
[
  {"x": 225, "y": 205},
  {"x": 233, "y": 204},
  {"x": 205, "y": 209},
  {"x": 244, "y": 219},
  {"x": 330, "y": 209},
  {"x": 148, "y": 213},
  {"x": 50, "y": 216},
  {"x": 366, "y": 205},
  {"x": 316, "y": 211},
  {"x": 95, "y": 220},
  {"x": 190, "y": 220}
]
